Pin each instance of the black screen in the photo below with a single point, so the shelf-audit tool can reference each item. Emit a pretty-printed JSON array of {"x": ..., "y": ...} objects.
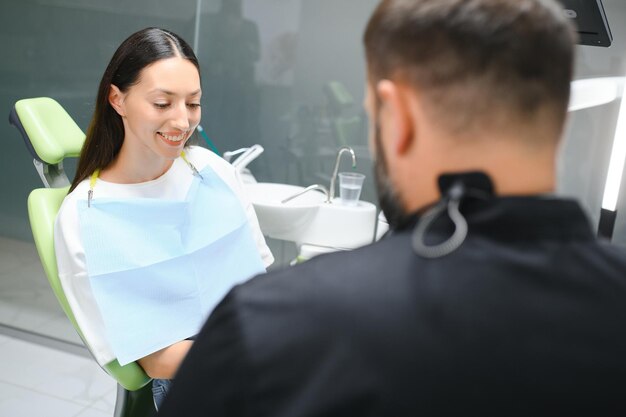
[{"x": 590, "y": 19}]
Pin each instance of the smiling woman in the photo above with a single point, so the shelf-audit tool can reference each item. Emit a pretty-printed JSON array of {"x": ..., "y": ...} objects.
[
  {"x": 139, "y": 262},
  {"x": 159, "y": 114}
]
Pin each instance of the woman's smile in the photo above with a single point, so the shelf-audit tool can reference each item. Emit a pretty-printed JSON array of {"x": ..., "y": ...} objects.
[{"x": 173, "y": 138}]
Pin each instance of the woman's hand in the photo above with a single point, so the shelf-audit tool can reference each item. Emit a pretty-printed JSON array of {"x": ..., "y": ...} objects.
[{"x": 164, "y": 363}]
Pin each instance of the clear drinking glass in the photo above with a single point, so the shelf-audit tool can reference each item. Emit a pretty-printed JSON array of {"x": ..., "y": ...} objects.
[{"x": 350, "y": 185}]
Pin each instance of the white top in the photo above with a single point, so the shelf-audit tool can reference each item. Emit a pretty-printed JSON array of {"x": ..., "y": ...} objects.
[{"x": 173, "y": 185}]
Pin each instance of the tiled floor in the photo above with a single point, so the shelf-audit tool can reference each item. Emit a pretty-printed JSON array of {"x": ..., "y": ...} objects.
[
  {"x": 39, "y": 381},
  {"x": 26, "y": 299},
  {"x": 36, "y": 380}
]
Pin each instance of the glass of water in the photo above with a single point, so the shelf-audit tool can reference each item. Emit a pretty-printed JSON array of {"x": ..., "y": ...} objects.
[{"x": 350, "y": 185}]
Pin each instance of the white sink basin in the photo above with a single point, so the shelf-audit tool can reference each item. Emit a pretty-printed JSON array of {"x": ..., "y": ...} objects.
[
  {"x": 307, "y": 219},
  {"x": 278, "y": 220}
]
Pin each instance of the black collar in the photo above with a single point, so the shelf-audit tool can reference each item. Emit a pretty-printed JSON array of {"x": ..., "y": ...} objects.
[{"x": 506, "y": 218}]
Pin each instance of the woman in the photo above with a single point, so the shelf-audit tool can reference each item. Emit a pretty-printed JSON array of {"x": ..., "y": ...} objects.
[{"x": 153, "y": 233}]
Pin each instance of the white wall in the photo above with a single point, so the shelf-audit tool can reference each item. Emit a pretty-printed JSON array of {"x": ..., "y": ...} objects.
[{"x": 588, "y": 141}]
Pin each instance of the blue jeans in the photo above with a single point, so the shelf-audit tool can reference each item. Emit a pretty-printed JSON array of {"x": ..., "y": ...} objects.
[{"x": 160, "y": 388}]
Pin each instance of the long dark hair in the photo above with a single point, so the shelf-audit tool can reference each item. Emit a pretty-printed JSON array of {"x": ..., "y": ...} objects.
[{"x": 105, "y": 133}]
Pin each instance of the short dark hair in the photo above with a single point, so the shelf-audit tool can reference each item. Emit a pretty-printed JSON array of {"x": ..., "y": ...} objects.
[
  {"x": 105, "y": 133},
  {"x": 477, "y": 61}
]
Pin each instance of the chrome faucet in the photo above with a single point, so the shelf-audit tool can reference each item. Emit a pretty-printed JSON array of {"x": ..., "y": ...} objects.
[
  {"x": 306, "y": 190},
  {"x": 247, "y": 155},
  {"x": 331, "y": 194}
]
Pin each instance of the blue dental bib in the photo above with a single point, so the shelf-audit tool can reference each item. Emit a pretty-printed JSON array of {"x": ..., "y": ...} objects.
[{"x": 157, "y": 268}]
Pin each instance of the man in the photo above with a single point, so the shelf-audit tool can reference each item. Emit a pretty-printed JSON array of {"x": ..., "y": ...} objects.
[{"x": 490, "y": 296}]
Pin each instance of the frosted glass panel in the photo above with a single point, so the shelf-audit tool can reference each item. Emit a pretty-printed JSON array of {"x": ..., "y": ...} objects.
[{"x": 59, "y": 49}]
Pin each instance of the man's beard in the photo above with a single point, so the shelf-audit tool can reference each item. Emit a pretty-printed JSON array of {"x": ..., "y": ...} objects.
[{"x": 388, "y": 198}]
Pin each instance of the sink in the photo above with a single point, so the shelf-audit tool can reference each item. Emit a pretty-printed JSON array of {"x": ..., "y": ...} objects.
[
  {"x": 278, "y": 220},
  {"x": 340, "y": 226},
  {"x": 307, "y": 219}
]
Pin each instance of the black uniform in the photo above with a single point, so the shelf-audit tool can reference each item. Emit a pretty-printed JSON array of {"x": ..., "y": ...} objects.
[{"x": 527, "y": 317}]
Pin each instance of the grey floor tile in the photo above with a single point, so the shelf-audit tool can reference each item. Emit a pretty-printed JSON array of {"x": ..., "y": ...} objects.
[
  {"x": 51, "y": 372},
  {"x": 26, "y": 299},
  {"x": 17, "y": 401}
]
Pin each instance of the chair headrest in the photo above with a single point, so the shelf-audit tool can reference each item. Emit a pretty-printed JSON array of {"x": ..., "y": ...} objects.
[{"x": 49, "y": 131}]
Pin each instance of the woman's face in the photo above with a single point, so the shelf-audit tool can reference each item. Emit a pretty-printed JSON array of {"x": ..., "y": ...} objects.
[{"x": 162, "y": 110}]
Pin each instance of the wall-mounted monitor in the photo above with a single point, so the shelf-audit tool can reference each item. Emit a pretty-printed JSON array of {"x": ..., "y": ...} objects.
[{"x": 590, "y": 19}]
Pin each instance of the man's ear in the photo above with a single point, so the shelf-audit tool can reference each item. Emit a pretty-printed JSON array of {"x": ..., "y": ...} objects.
[
  {"x": 116, "y": 100},
  {"x": 394, "y": 108}
]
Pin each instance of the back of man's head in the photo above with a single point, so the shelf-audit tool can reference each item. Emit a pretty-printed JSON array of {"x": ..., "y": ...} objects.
[{"x": 480, "y": 64}]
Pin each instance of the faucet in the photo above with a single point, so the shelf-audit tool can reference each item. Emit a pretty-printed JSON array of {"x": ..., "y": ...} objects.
[
  {"x": 333, "y": 179},
  {"x": 247, "y": 155},
  {"x": 306, "y": 190}
]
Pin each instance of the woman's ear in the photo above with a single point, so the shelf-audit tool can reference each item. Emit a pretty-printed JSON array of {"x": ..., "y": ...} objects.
[
  {"x": 116, "y": 100},
  {"x": 396, "y": 114}
]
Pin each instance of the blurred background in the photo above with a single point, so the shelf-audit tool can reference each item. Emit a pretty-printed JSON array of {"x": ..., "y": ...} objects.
[{"x": 286, "y": 74}]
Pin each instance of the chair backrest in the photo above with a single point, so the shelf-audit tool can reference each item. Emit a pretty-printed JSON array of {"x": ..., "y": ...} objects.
[
  {"x": 43, "y": 205},
  {"x": 51, "y": 135}
]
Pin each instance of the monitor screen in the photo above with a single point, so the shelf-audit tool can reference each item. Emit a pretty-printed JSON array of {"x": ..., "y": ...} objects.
[{"x": 590, "y": 19}]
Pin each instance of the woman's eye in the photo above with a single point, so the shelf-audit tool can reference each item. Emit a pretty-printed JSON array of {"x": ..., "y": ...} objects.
[
  {"x": 161, "y": 105},
  {"x": 194, "y": 105}
]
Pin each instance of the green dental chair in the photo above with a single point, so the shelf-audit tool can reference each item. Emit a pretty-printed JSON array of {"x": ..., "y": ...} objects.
[{"x": 51, "y": 135}]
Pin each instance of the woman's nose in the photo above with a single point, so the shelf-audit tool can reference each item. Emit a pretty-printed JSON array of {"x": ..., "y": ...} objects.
[{"x": 181, "y": 117}]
